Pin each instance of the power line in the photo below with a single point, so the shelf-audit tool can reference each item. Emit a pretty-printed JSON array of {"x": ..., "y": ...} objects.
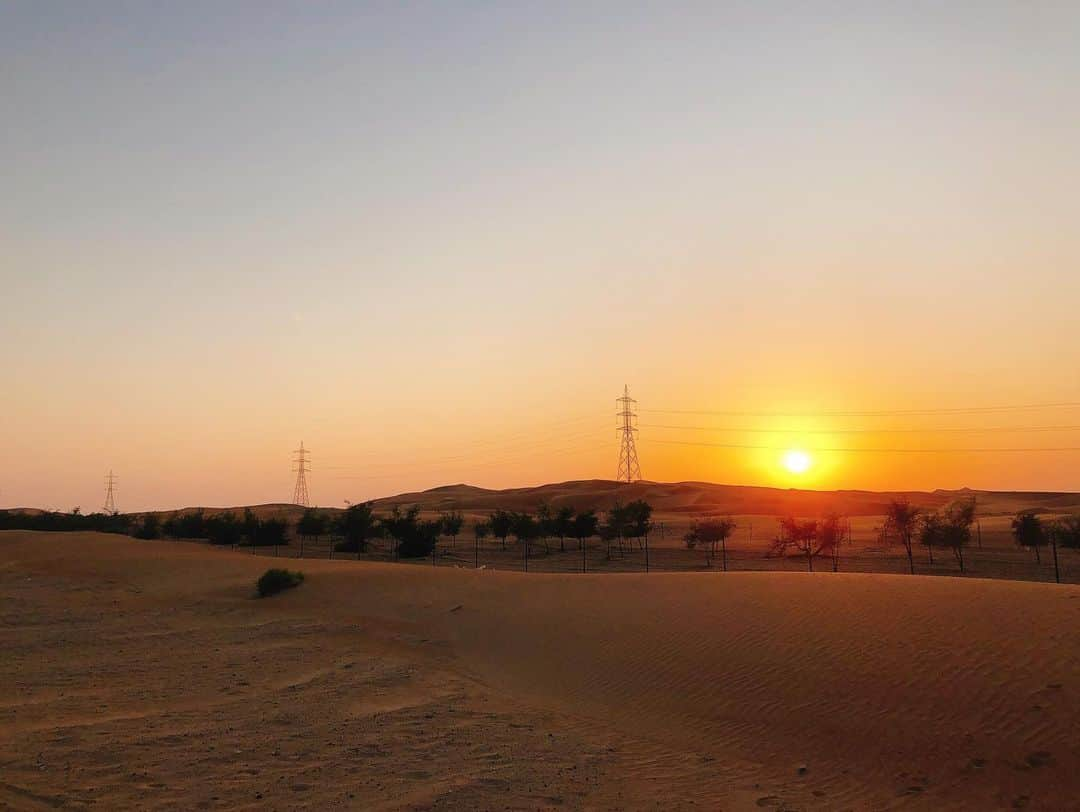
[
  {"x": 527, "y": 445},
  {"x": 932, "y": 430},
  {"x": 877, "y": 413},
  {"x": 871, "y": 450}
]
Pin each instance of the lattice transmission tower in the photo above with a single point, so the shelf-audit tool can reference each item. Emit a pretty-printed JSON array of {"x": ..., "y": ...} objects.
[
  {"x": 302, "y": 466},
  {"x": 110, "y": 491},
  {"x": 629, "y": 469}
]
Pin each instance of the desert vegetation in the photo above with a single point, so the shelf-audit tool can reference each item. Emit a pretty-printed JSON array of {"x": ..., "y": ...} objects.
[
  {"x": 948, "y": 533},
  {"x": 274, "y": 581}
]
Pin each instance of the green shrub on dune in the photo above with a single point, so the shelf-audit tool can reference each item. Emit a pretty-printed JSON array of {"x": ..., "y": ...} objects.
[{"x": 277, "y": 580}]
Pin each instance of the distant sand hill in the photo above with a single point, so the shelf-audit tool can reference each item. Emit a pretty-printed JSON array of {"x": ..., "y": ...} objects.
[
  {"x": 706, "y": 497},
  {"x": 687, "y": 499}
]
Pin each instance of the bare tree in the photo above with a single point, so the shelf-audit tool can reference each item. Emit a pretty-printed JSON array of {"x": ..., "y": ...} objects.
[
  {"x": 451, "y": 524},
  {"x": 831, "y": 531},
  {"x": 709, "y": 532},
  {"x": 805, "y": 536},
  {"x": 1027, "y": 529},
  {"x": 901, "y": 520},
  {"x": 959, "y": 516}
]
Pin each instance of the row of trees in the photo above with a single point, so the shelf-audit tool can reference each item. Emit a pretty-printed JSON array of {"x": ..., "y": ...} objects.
[
  {"x": 948, "y": 528},
  {"x": 622, "y": 525},
  {"x": 55, "y": 521},
  {"x": 1031, "y": 531},
  {"x": 224, "y": 528}
]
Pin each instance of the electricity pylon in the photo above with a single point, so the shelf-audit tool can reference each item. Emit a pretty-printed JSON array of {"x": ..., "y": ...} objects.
[
  {"x": 629, "y": 470},
  {"x": 110, "y": 499},
  {"x": 300, "y": 492}
]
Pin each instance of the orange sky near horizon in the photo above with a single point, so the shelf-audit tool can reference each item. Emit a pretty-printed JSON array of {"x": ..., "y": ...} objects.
[{"x": 434, "y": 243}]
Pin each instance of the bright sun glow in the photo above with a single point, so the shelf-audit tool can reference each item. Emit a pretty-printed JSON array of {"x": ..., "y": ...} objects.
[{"x": 797, "y": 462}]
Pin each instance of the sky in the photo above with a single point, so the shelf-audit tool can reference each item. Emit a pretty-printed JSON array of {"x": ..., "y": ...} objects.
[{"x": 433, "y": 241}]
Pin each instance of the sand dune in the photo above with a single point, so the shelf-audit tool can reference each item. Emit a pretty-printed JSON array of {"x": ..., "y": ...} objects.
[
  {"x": 707, "y": 497},
  {"x": 685, "y": 499},
  {"x": 145, "y": 674}
]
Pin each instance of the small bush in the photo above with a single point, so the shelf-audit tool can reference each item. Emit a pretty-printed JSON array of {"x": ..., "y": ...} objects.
[{"x": 277, "y": 580}]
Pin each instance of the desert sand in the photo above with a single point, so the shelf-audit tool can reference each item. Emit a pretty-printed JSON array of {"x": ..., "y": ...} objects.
[{"x": 147, "y": 674}]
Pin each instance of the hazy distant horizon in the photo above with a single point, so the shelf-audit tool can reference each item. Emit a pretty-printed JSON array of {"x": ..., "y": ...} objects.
[{"x": 434, "y": 242}]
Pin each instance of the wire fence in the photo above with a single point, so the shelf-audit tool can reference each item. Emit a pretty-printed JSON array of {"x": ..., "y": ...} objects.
[{"x": 597, "y": 556}]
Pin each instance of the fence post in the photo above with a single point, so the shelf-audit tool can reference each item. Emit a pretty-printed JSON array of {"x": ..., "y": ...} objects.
[
  {"x": 583, "y": 555},
  {"x": 476, "y": 554},
  {"x": 525, "y": 544},
  {"x": 646, "y": 552},
  {"x": 1057, "y": 572}
]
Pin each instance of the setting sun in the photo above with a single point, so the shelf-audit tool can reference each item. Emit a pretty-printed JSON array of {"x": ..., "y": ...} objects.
[{"x": 797, "y": 462}]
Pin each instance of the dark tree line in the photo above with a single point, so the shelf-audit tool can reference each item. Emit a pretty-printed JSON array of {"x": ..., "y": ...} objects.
[
  {"x": 621, "y": 524},
  {"x": 946, "y": 529},
  {"x": 1031, "y": 531},
  {"x": 55, "y": 521}
]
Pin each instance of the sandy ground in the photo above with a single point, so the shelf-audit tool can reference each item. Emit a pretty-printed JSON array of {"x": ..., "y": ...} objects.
[{"x": 146, "y": 674}]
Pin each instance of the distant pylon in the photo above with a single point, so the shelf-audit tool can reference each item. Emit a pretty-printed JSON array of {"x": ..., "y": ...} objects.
[
  {"x": 300, "y": 494},
  {"x": 110, "y": 499},
  {"x": 629, "y": 470}
]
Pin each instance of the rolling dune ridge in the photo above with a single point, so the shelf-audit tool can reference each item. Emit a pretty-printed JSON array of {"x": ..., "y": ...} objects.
[{"x": 147, "y": 674}]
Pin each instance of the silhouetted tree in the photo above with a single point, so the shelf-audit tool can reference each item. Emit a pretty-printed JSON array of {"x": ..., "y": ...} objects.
[
  {"x": 501, "y": 522},
  {"x": 902, "y": 520},
  {"x": 524, "y": 527},
  {"x": 958, "y": 516},
  {"x": 224, "y": 529},
  {"x": 1027, "y": 529},
  {"x": 545, "y": 524},
  {"x": 584, "y": 526},
  {"x": 251, "y": 526},
  {"x": 804, "y": 536},
  {"x": 563, "y": 525},
  {"x": 931, "y": 531},
  {"x": 638, "y": 519},
  {"x": 1065, "y": 532},
  {"x": 1068, "y": 531},
  {"x": 312, "y": 524},
  {"x": 270, "y": 532},
  {"x": 481, "y": 530},
  {"x": 708, "y": 533},
  {"x": 150, "y": 527},
  {"x": 414, "y": 538},
  {"x": 451, "y": 525},
  {"x": 833, "y": 530},
  {"x": 185, "y": 525},
  {"x": 356, "y": 524}
]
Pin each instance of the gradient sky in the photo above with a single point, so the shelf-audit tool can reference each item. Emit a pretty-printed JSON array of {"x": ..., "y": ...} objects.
[{"x": 434, "y": 240}]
